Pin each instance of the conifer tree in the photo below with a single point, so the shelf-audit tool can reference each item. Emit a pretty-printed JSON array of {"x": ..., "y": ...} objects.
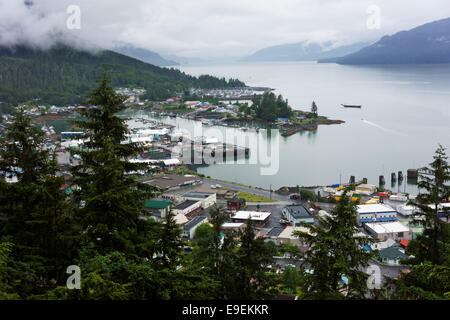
[
  {"x": 433, "y": 245},
  {"x": 216, "y": 255},
  {"x": 429, "y": 277},
  {"x": 112, "y": 202},
  {"x": 314, "y": 108},
  {"x": 254, "y": 256},
  {"x": 34, "y": 212},
  {"x": 334, "y": 252},
  {"x": 169, "y": 243}
]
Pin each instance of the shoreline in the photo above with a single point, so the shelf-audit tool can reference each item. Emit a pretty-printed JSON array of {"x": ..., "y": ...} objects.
[{"x": 285, "y": 129}]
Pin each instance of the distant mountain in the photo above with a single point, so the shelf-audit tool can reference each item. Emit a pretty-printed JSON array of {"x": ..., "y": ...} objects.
[
  {"x": 143, "y": 55},
  {"x": 64, "y": 75},
  {"x": 184, "y": 60},
  {"x": 303, "y": 51},
  {"x": 429, "y": 43}
]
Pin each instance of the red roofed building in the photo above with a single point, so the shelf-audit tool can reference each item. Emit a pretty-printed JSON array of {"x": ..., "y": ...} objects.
[{"x": 404, "y": 243}]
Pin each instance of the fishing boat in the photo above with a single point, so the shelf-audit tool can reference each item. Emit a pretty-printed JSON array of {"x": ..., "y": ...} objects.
[{"x": 351, "y": 106}]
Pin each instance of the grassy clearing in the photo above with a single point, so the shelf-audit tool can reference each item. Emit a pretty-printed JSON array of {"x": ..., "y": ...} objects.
[{"x": 253, "y": 198}]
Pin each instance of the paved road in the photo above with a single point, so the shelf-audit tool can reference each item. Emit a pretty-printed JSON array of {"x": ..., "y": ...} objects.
[{"x": 237, "y": 187}]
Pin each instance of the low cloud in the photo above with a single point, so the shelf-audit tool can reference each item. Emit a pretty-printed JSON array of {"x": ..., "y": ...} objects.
[{"x": 205, "y": 28}]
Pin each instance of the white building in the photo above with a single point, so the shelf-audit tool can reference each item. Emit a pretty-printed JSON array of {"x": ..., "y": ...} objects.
[
  {"x": 258, "y": 217},
  {"x": 375, "y": 213},
  {"x": 406, "y": 210},
  {"x": 190, "y": 227},
  {"x": 233, "y": 226},
  {"x": 207, "y": 199},
  {"x": 389, "y": 230},
  {"x": 287, "y": 235},
  {"x": 187, "y": 207}
]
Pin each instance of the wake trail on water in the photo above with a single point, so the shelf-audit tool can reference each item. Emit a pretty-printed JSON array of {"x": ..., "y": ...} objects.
[{"x": 383, "y": 128}]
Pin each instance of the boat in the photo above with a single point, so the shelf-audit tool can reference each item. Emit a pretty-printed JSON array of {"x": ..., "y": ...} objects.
[
  {"x": 244, "y": 129},
  {"x": 398, "y": 197},
  {"x": 351, "y": 106},
  {"x": 172, "y": 115},
  {"x": 205, "y": 122}
]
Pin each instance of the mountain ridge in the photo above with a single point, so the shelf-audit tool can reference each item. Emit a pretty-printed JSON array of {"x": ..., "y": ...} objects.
[
  {"x": 65, "y": 75},
  {"x": 144, "y": 55},
  {"x": 425, "y": 44},
  {"x": 302, "y": 51}
]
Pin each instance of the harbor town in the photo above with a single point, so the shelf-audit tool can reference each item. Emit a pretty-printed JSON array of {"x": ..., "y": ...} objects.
[{"x": 383, "y": 215}]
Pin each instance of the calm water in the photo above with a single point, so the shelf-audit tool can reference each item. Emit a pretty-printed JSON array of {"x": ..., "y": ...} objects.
[{"x": 405, "y": 114}]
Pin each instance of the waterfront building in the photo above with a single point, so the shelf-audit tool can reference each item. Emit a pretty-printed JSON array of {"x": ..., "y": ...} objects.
[{"x": 375, "y": 213}]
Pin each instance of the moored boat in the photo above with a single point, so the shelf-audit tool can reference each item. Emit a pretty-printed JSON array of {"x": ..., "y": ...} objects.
[{"x": 351, "y": 106}]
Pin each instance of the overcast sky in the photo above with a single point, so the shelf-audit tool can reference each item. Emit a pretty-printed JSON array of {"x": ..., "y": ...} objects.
[{"x": 212, "y": 28}]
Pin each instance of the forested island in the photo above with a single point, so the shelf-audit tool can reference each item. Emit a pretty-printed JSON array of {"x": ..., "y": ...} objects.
[{"x": 275, "y": 111}]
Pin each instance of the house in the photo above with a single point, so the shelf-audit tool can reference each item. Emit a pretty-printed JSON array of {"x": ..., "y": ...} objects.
[
  {"x": 190, "y": 227},
  {"x": 389, "y": 230},
  {"x": 297, "y": 214},
  {"x": 158, "y": 208},
  {"x": 235, "y": 203},
  {"x": 259, "y": 218},
  {"x": 273, "y": 234},
  {"x": 207, "y": 199},
  {"x": 287, "y": 236},
  {"x": 375, "y": 213},
  {"x": 392, "y": 256},
  {"x": 188, "y": 207}
]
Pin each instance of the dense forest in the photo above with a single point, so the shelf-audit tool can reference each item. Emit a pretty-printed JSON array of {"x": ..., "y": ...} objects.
[{"x": 64, "y": 75}]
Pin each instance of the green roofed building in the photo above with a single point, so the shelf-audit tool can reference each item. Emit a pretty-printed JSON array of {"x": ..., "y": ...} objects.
[
  {"x": 393, "y": 255},
  {"x": 158, "y": 208},
  {"x": 296, "y": 214}
]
